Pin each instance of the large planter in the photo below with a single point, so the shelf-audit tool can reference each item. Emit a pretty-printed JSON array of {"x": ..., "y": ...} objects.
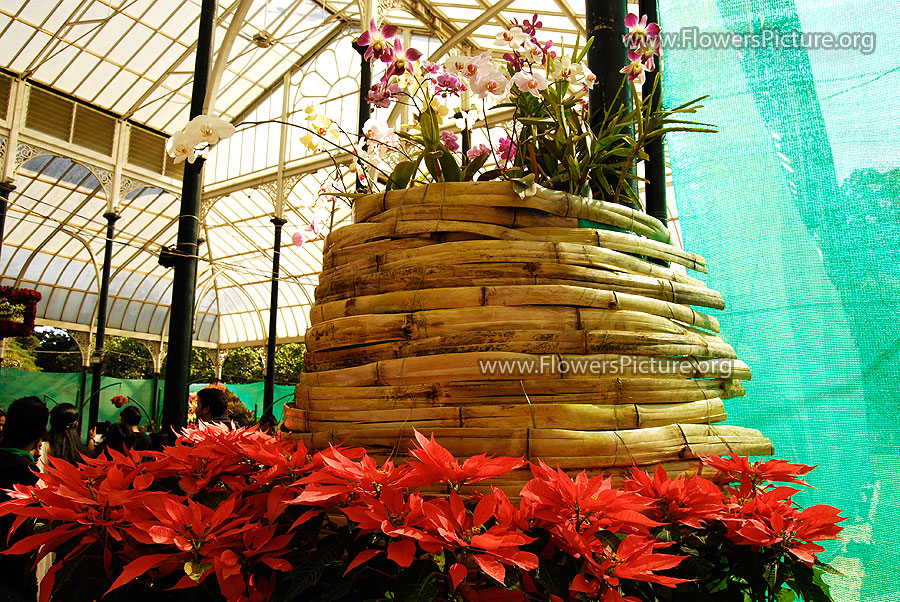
[{"x": 492, "y": 320}]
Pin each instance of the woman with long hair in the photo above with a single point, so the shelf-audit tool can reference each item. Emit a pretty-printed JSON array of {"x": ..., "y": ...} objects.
[{"x": 64, "y": 437}]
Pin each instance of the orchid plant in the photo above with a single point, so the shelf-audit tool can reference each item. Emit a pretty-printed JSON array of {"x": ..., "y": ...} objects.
[
  {"x": 240, "y": 516},
  {"x": 549, "y": 141}
]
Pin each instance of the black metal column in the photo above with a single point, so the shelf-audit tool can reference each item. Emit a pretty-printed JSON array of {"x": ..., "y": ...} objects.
[
  {"x": 181, "y": 320},
  {"x": 655, "y": 166},
  {"x": 5, "y": 189},
  {"x": 97, "y": 358},
  {"x": 365, "y": 82},
  {"x": 605, "y": 20},
  {"x": 269, "y": 387},
  {"x": 82, "y": 390}
]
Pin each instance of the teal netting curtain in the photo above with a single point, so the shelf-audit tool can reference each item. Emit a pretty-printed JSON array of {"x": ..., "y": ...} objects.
[
  {"x": 796, "y": 205},
  {"x": 58, "y": 388}
]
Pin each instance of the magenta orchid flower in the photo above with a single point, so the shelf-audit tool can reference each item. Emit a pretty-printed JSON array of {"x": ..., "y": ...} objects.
[
  {"x": 402, "y": 60},
  {"x": 647, "y": 53},
  {"x": 450, "y": 141},
  {"x": 376, "y": 40},
  {"x": 639, "y": 31},
  {"x": 636, "y": 71}
]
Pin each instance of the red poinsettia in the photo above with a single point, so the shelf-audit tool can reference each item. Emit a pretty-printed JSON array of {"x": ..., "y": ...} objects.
[
  {"x": 118, "y": 401},
  {"x": 769, "y": 520},
  {"x": 554, "y": 497},
  {"x": 466, "y": 533},
  {"x": 635, "y": 559},
  {"x": 690, "y": 501},
  {"x": 436, "y": 464}
]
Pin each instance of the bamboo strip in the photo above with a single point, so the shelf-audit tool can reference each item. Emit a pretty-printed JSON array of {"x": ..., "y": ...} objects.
[
  {"x": 333, "y": 289},
  {"x": 540, "y": 342},
  {"x": 509, "y": 217},
  {"x": 502, "y": 194},
  {"x": 589, "y": 417},
  {"x": 603, "y": 391},
  {"x": 372, "y": 328},
  {"x": 515, "y": 366},
  {"x": 448, "y": 298},
  {"x": 496, "y": 251},
  {"x": 567, "y": 449}
]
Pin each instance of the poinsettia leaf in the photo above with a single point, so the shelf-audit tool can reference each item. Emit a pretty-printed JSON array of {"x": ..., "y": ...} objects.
[
  {"x": 458, "y": 572},
  {"x": 361, "y": 558},
  {"x": 490, "y": 566},
  {"x": 402, "y": 552},
  {"x": 138, "y": 567}
]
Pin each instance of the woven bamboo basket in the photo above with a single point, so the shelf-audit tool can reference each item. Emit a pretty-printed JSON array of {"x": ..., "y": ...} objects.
[{"x": 490, "y": 319}]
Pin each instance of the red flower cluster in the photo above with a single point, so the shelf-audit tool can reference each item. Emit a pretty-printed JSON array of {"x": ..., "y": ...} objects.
[
  {"x": 232, "y": 504},
  {"x": 118, "y": 401}
]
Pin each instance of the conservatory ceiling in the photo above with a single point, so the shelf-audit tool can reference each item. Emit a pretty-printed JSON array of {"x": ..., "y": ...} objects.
[{"x": 89, "y": 91}]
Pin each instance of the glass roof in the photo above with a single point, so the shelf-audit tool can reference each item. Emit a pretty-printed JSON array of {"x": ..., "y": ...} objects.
[{"x": 131, "y": 62}]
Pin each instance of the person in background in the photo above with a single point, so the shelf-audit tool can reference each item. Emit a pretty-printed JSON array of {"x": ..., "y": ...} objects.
[
  {"x": 63, "y": 439},
  {"x": 131, "y": 417},
  {"x": 212, "y": 406},
  {"x": 25, "y": 428},
  {"x": 268, "y": 424},
  {"x": 2, "y": 423},
  {"x": 119, "y": 437}
]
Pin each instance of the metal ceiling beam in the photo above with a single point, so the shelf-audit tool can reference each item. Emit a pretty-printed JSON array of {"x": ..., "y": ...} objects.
[
  {"x": 573, "y": 18},
  {"x": 171, "y": 70},
  {"x": 215, "y": 77},
  {"x": 304, "y": 60}
]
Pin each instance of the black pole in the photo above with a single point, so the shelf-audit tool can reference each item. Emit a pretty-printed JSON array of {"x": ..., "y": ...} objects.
[
  {"x": 655, "y": 166},
  {"x": 608, "y": 54},
  {"x": 269, "y": 387},
  {"x": 5, "y": 189},
  {"x": 97, "y": 359},
  {"x": 154, "y": 402},
  {"x": 82, "y": 391},
  {"x": 365, "y": 82},
  {"x": 184, "y": 283}
]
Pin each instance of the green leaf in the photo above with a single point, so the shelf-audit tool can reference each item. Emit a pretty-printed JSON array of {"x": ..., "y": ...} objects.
[
  {"x": 431, "y": 134},
  {"x": 785, "y": 595},
  {"x": 537, "y": 120},
  {"x": 473, "y": 166},
  {"x": 310, "y": 573},
  {"x": 418, "y": 583},
  {"x": 402, "y": 174},
  {"x": 449, "y": 167}
]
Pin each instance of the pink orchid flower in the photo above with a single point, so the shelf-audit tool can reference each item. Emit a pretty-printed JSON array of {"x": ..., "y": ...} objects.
[{"x": 376, "y": 40}]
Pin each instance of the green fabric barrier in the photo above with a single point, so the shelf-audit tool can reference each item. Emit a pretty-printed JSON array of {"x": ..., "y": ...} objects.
[
  {"x": 796, "y": 206},
  {"x": 61, "y": 388}
]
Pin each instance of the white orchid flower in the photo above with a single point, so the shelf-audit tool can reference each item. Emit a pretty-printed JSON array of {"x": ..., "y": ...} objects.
[
  {"x": 208, "y": 129},
  {"x": 180, "y": 148}
]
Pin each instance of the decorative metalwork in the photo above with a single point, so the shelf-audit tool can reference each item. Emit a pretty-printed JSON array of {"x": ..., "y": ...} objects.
[
  {"x": 26, "y": 152},
  {"x": 219, "y": 361},
  {"x": 129, "y": 185},
  {"x": 3, "y": 143},
  {"x": 85, "y": 342},
  {"x": 103, "y": 176},
  {"x": 155, "y": 353},
  {"x": 206, "y": 205}
]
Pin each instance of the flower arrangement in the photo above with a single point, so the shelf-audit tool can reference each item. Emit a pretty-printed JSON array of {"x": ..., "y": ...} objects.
[
  {"x": 119, "y": 401},
  {"x": 242, "y": 516},
  {"x": 18, "y": 309},
  {"x": 549, "y": 138}
]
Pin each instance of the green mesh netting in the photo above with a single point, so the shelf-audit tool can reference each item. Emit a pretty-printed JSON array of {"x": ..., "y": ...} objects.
[
  {"x": 796, "y": 205},
  {"x": 59, "y": 388}
]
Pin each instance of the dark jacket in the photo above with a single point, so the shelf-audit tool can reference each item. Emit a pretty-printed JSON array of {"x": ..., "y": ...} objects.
[{"x": 17, "y": 577}]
